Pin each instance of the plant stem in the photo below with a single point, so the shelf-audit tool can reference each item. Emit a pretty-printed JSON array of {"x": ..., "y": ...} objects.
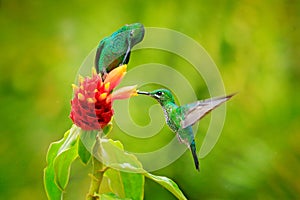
[{"x": 97, "y": 176}]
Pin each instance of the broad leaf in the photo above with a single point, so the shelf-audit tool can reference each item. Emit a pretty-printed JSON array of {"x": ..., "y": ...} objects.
[
  {"x": 86, "y": 145},
  {"x": 87, "y": 142},
  {"x": 88, "y": 139},
  {"x": 125, "y": 184},
  {"x": 70, "y": 140},
  {"x": 111, "y": 196},
  {"x": 104, "y": 187},
  {"x": 83, "y": 153},
  {"x": 52, "y": 190},
  {"x": 59, "y": 158},
  {"x": 107, "y": 129},
  {"x": 66, "y": 155},
  {"x": 168, "y": 184},
  {"x": 112, "y": 154},
  {"x": 62, "y": 165},
  {"x": 121, "y": 181}
]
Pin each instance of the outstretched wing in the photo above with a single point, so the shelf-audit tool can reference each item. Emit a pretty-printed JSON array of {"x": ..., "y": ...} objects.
[{"x": 195, "y": 111}]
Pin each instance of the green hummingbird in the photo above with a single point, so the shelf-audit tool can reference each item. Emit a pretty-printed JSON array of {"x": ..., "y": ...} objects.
[
  {"x": 114, "y": 50},
  {"x": 180, "y": 119}
]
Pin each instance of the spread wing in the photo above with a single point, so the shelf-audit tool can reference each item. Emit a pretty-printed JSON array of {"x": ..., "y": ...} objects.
[{"x": 195, "y": 111}]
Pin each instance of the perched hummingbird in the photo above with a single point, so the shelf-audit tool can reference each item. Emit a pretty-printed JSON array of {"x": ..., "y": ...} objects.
[
  {"x": 181, "y": 118},
  {"x": 114, "y": 50}
]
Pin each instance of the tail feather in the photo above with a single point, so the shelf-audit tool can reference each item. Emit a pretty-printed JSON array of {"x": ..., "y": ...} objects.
[{"x": 193, "y": 150}]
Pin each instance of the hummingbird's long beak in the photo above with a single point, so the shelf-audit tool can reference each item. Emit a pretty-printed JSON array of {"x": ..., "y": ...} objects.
[{"x": 142, "y": 92}]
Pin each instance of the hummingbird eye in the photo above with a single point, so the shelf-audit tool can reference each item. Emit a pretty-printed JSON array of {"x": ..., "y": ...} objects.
[
  {"x": 159, "y": 93},
  {"x": 131, "y": 33}
]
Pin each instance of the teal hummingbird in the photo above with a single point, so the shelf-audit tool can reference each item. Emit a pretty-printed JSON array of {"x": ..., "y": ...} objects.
[
  {"x": 180, "y": 119},
  {"x": 114, "y": 50}
]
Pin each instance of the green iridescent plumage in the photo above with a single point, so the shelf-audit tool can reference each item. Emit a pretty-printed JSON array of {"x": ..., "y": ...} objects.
[
  {"x": 114, "y": 50},
  {"x": 181, "y": 118}
]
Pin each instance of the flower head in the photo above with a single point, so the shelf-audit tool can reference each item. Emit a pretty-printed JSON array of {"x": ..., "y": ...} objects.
[{"x": 91, "y": 106}]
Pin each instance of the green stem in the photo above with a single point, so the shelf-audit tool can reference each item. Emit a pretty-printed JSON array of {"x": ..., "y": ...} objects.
[{"x": 97, "y": 176}]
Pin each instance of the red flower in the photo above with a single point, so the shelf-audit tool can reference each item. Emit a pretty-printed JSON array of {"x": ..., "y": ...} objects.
[{"x": 91, "y": 107}]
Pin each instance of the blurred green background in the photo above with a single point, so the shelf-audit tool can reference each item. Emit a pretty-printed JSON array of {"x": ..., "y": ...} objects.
[{"x": 255, "y": 44}]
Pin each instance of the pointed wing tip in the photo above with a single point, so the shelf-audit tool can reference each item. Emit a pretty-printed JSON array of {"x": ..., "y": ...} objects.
[
  {"x": 220, "y": 100},
  {"x": 231, "y": 95}
]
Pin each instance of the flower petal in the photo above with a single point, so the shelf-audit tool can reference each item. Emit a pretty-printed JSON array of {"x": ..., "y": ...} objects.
[
  {"x": 125, "y": 92},
  {"x": 115, "y": 76}
]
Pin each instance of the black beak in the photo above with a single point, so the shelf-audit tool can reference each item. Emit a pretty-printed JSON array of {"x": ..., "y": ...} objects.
[{"x": 142, "y": 92}]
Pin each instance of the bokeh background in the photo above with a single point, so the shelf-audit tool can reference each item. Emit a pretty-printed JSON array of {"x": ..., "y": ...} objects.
[{"x": 255, "y": 45}]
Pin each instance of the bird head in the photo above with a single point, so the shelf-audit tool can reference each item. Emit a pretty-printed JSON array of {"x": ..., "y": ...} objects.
[
  {"x": 163, "y": 96},
  {"x": 135, "y": 31}
]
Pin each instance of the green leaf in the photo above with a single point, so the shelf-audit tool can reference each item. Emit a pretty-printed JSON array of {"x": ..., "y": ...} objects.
[
  {"x": 125, "y": 184},
  {"x": 83, "y": 153},
  {"x": 122, "y": 176},
  {"x": 51, "y": 188},
  {"x": 112, "y": 154},
  {"x": 59, "y": 158},
  {"x": 104, "y": 187},
  {"x": 64, "y": 158},
  {"x": 111, "y": 196},
  {"x": 168, "y": 184},
  {"x": 70, "y": 139},
  {"x": 88, "y": 139},
  {"x": 107, "y": 129},
  {"x": 86, "y": 145}
]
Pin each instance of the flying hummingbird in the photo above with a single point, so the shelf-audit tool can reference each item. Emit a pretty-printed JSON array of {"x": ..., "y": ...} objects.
[
  {"x": 114, "y": 50},
  {"x": 181, "y": 118}
]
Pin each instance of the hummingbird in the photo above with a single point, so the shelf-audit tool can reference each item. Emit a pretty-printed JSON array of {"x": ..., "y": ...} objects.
[
  {"x": 180, "y": 119},
  {"x": 115, "y": 50}
]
